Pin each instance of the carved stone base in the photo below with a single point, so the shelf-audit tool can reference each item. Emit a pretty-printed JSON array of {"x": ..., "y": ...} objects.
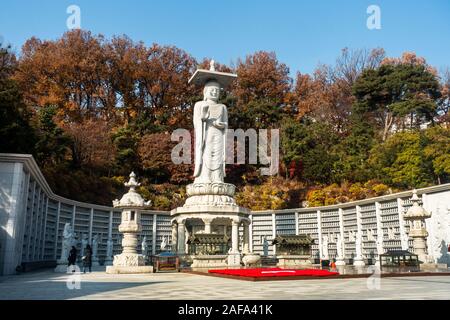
[
  {"x": 293, "y": 261},
  {"x": 199, "y": 210},
  {"x": 128, "y": 270},
  {"x": 210, "y": 194},
  {"x": 209, "y": 261},
  {"x": 234, "y": 259},
  {"x": 216, "y": 188},
  {"x": 210, "y": 200},
  {"x": 128, "y": 260}
]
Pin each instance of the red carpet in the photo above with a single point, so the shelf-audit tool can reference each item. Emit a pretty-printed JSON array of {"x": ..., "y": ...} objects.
[{"x": 274, "y": 272}]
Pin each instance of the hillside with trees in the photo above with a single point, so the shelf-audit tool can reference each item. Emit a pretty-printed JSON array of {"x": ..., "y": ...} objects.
[{"x": 92, "y": 109}]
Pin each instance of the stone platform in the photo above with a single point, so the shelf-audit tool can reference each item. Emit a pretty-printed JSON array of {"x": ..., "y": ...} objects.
[
  {"x": 285, "y": 261},
  {"x": 209, "y": 261},
  {"x": 129, "y": 269}
]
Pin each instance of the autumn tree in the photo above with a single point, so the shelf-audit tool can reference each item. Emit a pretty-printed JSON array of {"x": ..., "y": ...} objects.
[
  {"x": 92, "y": 147},
  {"x": 444, "y": 101},
  {"x": 260, "y": 90},
  {"x": 320, "y": 98},
  {"x": 262, "y": 76},
  {"x": 326, "y": 95},
  {"x": 163, "y": 74},
  {"x": 93, "y": 109},
  {"x": 123, "y": 58},
  {"x": 68, "y": 73},
  {"x": 155, "y": 151}
]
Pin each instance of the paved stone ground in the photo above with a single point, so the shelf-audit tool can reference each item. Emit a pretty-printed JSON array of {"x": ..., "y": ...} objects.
[{"x": 180, "y": 286}]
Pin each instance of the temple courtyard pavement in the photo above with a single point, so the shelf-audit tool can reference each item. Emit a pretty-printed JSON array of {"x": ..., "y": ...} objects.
[{"x": 47, "y": 285}]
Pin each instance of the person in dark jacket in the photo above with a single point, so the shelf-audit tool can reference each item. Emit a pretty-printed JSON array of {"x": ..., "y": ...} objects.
[
  {"x": 87, "y": 259},
  {"x": 72, "y": 256}
]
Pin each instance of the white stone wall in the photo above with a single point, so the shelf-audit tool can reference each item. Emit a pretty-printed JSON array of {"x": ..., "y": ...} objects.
[
  {"x": 372, "y": 217},
  {"x": 32, "y": 220},
  {"x": 13, "y": 185}
]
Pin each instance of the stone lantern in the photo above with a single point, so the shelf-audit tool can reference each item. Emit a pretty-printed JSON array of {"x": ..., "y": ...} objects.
[
  {"x": 416, "y": 214},
  {"x": 129, "y": 261}
]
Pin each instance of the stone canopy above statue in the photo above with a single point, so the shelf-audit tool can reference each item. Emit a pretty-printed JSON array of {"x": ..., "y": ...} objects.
[{"x": 203, "y": 76}]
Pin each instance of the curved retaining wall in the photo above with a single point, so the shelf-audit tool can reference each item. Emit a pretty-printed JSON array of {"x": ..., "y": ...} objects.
[{"x": 32, "y": 219}]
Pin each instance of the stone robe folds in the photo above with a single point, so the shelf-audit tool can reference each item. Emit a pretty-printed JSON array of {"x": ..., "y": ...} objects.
[{"x": 210, "y": 141}]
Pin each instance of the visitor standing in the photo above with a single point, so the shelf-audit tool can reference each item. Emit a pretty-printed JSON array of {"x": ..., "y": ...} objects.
[
  {"x": 87, "y": 259},
  {"x": 333, "y": 264},
  {"x": 72, "y": 256}
]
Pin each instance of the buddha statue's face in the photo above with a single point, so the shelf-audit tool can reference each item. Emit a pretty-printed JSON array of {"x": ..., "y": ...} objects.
[{"x": 211, "y": 91}]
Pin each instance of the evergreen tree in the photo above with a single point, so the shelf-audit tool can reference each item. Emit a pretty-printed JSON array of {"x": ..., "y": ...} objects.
[
  {"x": 52, "y": 144},
  {"x": 402, "y": 95},
  {"x": 400, "y": 161},
  {"x": 16, "y": 134},
  {"x": 15, "y": 131},
  {"x": 313, "y": 144},
  {"x": 353, "y": 151}
]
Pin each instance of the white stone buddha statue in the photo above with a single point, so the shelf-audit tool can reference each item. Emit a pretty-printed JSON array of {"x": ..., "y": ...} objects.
[{"x": 210, "y": 123}]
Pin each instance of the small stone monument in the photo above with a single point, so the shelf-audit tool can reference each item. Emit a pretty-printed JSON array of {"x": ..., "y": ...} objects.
[
  {"x": 163, "y": 244},
  {"x": 358, "y": 261},
  {"x": 391, "y": 233},
  {"x": 325, "y": 255},
  {"x": 404, "y": 241},
  {"x": 95, "y": 262},
  {"x": 351, "y": 236},
  {"x": 340, "y": 251},
  {"x": 144, "y": 247},
  {"x": 129, "y": 261},
  {"x": 84, "y": 243},
  {"x": 370, "y": 235},
  {"x": 265, "y": 247},
  {"x": 380, "y": 249},
  {"x": 67, "y": 243},
  {"x": 109, "y": 252}
]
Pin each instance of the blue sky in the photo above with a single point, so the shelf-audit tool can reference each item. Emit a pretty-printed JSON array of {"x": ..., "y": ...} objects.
[{"x": 302, "y": 33}]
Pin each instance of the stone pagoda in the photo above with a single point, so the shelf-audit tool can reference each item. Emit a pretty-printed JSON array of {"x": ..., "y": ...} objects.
[
  {"x": 416, "y": 216},
  {"x": 129, "y": 261},
  {"x": 210, "y": 208}
]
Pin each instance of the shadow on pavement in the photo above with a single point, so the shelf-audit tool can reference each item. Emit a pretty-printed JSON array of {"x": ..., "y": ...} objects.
[{"x": 46, "y": 285}]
